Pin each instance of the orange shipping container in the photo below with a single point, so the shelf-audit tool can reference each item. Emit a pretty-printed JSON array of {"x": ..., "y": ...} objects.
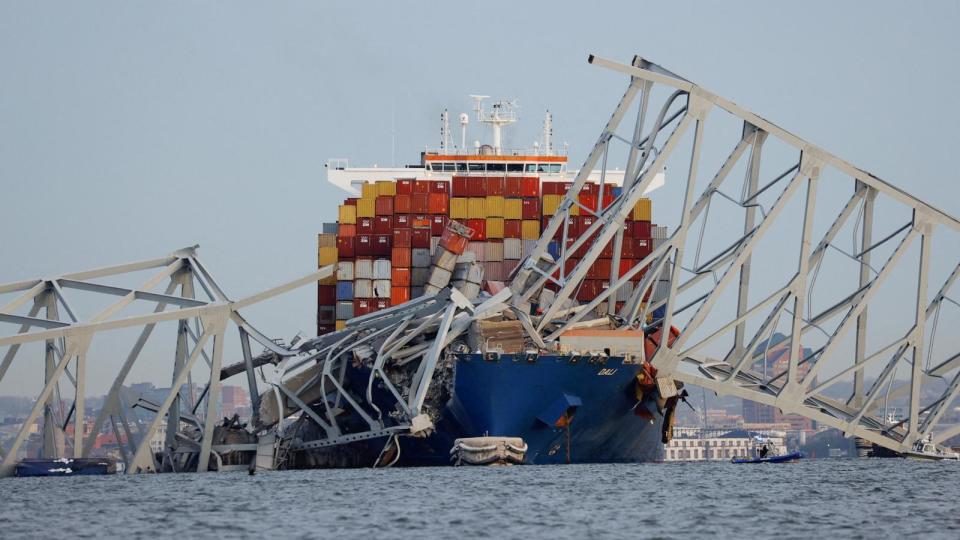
[
  {"x": 399, "y": 295},
  {"x": 400, "y": 277}
]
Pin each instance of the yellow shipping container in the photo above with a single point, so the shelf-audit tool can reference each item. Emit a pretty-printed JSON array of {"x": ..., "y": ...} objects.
[
  {"x": 326, "y": 240},
  {"x": 494, "y": 227},
  {"x": 327, "y": 255},
  {"x": 513, "y": 208},
  {"x": 340, "y": 325},
  {"x": 332, "y": 280},
  {"x": 459, "y": 209},
  {"x": 551, "y": 203},
  {"x": 477, "y": 208},
  {"x": 643, "y": 210},
  {"x": 367, "y": 208},
  {"x": 348, "y": 214},
  {"x": 368, "y": 191},
  {"x": 386, "y": 188},
  {"x": 494, "y": 206},
  {"x": 530, "y": 229}
]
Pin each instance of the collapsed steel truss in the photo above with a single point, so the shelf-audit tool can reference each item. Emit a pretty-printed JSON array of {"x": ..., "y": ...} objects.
[
  {"x": 798, "y": 388},
  {"x": 67, "y": 336},
  {"x": 405, "y": 345}
]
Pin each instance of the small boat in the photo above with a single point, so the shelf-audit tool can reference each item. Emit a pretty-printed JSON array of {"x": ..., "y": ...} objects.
[
  {"x": 783, "y": 458},
  {"x": 925, "y": 450},
  {"x": 764, "y": 450}
]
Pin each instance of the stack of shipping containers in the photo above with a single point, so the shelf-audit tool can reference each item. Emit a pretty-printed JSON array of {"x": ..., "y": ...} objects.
[{"x": 384, "y": 242}]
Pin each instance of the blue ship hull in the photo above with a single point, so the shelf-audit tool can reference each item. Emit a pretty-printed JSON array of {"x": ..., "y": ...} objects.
[{"x": 507, "y": 395}]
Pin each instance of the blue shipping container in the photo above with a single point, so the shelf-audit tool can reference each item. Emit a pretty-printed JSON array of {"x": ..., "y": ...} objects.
[{"x": 344, "y": 290}]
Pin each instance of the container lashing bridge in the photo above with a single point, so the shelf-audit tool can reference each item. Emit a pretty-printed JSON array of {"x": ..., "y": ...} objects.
[{"x": 731, "y": 293}]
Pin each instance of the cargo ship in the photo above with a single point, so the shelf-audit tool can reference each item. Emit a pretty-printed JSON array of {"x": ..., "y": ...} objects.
[{"x": 594, "y": 402}]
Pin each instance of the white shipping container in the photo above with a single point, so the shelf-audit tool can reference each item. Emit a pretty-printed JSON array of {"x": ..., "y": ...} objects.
[
  {"x": 445, "y": 259},
  {"x": 494, "y": 252},
  {"x": 478, "y": 249},
  {"x": 345, "y": 271},
  {"x": 420, "y": 257},
  {"x": 363, "y": 269},
  {"x": 439, "y": 277},
  {"x": 434, "y": 244},
  {"x": 363, "y": 288},
  {"x": 658, "y": 232},
  {"x": 467, "y": 257},
  {"x": 381, "y": 269},
  {"x": 512, "y": 249},
  {"x": 381, "y": 288},
  {"x": 528, "y": 246}
]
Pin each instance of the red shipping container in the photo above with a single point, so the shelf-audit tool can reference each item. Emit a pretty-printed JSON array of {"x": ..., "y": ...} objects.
[
  {"x": 479, "y": 227},
  {"x": 400, "y": 277},
  {"x": 608, "y": 198},
  {"x": 530, "y": 208},
  {"x": 641, "y": 229},
  {"x": 346, "y": 247},
  {"x": 400, "y": 257},
  {"x": 402, "y": 221},
  {"x": 421, "y": 187},
  {"x": 364, "y": 245},
  {"x": 607, "y": 251},
  {"x": 326, "y": 295},
  {"x": 476, "y": 186},
  {"x": 404, "y": 187},
  {"x": 420, "y": 203},
  {"x": 529, "y": 186},
  {"x": 381, "y": 303},
  {"x": 453, "y": 242},
  {"x": 383, "y": 225},
  {"x": 600, "y": 269},
  {"x": 437, "y": 224},
  {"x": 458, "y": 187},
  {"x": 402, "y": 238},
  {"x": 439, "y": 203},
  {"x": 382, "y": 244},
  {"x": 365, "y": 225},
  {"x": 642, "y": 247},
  {"x": 399, "y": 295},
  {"x": 512, "y": 187},
  {"x": 550, "y": 188},
  {"x": 590, "y": 188},
  {"x": 440, "y": 186},
  {"x": 351, "y": 202},
  {"x": 323, "y": 329},
  {"x": 420, "y": 238},
  {"x": 626, "y": 248},
  {"x": 384, "y": 206},
  {"x": 402, "y": 204},
  {"x": 584, "y": 223},
  {"x": 568, "y": 267},
  {"x": 496, "y": 185},
  {"x": 512, "y": 228},
  {"x": 627, "y": 264},
  {"x": 588, "y": 200},
  {"x": 346, "y": 229},
  {"x": 362, "y": 306}
]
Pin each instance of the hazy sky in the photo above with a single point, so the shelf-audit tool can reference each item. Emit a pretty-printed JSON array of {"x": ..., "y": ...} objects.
[{"x": 131, "y": 129}]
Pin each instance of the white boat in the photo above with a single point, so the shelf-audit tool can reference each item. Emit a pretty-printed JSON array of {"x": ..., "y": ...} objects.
[{"x": 925, "y": 450}]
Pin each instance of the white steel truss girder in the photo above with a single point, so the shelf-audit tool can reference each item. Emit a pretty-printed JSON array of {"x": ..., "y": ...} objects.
[
  {"x": 210, "y": 316},
  {"x": 794, "y": 385}
]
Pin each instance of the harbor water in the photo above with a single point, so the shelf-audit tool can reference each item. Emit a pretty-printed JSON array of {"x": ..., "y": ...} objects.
[{"x": 839, "y": 498}]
